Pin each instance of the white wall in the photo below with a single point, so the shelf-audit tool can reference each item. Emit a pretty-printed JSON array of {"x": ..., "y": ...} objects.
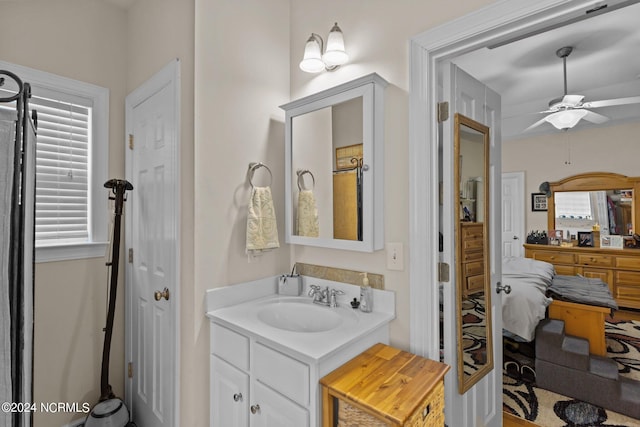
[
  {"x": 241, "y": 76},
  {"x": 553, "y": 157},
  {"x": 84, "y": 40},
  {"x": 377, "y": 34}
]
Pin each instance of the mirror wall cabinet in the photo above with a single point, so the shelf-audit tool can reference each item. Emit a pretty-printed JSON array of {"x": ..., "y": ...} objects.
[
  {"x": 471, "y": 177},
  {"x": 334, "y": 167}
]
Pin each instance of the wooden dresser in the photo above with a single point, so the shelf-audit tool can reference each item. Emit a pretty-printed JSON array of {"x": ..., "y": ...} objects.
[
  {"x": 383, "y": 387},
  {"x": 619, "y": 268},
  {"x": 472, "y": 250}
]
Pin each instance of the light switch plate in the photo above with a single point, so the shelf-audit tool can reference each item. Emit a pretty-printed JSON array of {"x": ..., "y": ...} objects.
[{"x": 395, "y": 258}]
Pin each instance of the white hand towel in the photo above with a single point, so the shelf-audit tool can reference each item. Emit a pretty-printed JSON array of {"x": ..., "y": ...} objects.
[
  {"x": 307, "y": 214},
  {"x": 262, "y": 230}
]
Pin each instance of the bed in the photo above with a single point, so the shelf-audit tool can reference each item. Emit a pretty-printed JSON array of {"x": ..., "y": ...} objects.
[{"x": 536, "y": 291}]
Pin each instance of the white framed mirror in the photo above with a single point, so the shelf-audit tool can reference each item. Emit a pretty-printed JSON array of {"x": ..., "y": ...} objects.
[{"x": 334, "y": 161}]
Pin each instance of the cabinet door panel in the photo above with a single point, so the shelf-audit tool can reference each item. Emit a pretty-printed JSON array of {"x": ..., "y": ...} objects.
[
  {"x": 275, "y": 410},
  {"x": 229, "y": 395}
]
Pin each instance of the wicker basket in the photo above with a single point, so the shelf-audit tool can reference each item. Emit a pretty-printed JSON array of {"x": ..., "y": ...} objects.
[{"x": 430, "y": 413}]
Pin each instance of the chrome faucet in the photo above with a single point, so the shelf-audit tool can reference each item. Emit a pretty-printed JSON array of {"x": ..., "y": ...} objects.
[{"x": 324, "y": 296}]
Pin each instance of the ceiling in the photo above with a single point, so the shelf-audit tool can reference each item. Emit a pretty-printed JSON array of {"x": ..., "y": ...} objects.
[{"x": 604, "y": 64}]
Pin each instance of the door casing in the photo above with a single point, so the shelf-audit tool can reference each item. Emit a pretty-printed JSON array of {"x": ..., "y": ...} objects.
[{"x": 470, "y": 32}]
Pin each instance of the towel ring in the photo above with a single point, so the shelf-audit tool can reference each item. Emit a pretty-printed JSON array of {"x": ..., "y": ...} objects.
[
  {"x": 301, "y": 185},
  {"x": 252, "y": 168}
]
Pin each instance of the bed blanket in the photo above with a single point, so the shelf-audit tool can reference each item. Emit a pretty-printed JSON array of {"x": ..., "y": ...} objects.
[{"x": 582, "y": 290}]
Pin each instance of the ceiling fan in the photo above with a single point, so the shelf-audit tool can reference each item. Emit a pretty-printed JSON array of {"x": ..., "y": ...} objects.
[{"x": 565, "y": 112}]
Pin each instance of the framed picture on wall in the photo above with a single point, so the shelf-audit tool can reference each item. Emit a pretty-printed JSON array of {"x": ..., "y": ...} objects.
[{"x": 538, "y": 202}]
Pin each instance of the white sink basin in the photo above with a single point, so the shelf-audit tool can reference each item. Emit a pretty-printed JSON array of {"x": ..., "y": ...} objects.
[{"x": 298, "y": 315}]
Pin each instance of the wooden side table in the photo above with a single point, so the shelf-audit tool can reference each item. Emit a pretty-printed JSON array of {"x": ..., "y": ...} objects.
[{"x": 384, "y": 386}]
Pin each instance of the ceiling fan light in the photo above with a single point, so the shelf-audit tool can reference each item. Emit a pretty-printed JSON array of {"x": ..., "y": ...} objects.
[{"x": 566, "y": 119}]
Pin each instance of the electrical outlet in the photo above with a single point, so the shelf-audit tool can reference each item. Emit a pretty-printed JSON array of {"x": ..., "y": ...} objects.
[{"x": 395, "y": 258}]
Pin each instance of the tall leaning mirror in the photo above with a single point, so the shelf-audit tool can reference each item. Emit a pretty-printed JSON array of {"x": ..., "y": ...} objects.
[
  {"x": 475, "y": 356},
  {"x": 334, "y": 167}
]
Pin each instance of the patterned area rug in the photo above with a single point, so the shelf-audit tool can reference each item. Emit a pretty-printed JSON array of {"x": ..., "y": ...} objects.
[{"x": 523, "y": 399}]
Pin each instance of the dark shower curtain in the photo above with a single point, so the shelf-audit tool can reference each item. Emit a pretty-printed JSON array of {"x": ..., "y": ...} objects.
[{"x": 17, "y": 212}]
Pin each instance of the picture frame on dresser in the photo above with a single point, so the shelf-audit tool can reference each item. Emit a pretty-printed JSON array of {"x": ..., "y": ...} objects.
[
  {"x": 538, "y": 202},
  {"x": 585, "y": 239}
]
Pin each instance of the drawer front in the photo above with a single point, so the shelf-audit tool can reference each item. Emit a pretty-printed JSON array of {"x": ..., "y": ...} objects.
[
  {"x": 599, "y": 260},
  {"x": 473, "y": 268},
  {"x": 468, "y": 245},
  {"x": 553, "y": 257},
  {"x": 474, "y": 232},
  {"x": 598, "y": 273},
  {"x": 472, "y": 255},
  {"x": 627, "y": 289},
  {"x": 566, "y": 270},
  {"x": 230, "y": 346},
  {"x": 282, "y": 373},
  {"x": 632, "y": 263},
  {"x": 475, "y": 283}
]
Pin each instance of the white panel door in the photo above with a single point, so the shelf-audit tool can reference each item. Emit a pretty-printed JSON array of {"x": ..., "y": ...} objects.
[
  {"x": 229, "y": 395},
  {"x": 271, "y": 409},
  {"x": 513, "y": 214},
  {"x": 482, "y": 404},
  {"x": 152, "y": 238}
]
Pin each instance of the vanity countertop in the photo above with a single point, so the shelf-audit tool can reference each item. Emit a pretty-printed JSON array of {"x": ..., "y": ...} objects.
[{"x": 240, "y": 306}]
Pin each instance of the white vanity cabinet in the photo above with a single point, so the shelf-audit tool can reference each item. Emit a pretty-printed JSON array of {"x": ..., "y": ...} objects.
[
  {"x": 266, "y": 374},
  {"x": 255, "y": 386}
]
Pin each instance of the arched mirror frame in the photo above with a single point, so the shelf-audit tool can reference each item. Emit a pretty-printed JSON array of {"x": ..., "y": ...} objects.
[
  {"x": 465, "y": 382},
  {"x": 371, "y": 88},
  {"x": 595, "y": 181}
]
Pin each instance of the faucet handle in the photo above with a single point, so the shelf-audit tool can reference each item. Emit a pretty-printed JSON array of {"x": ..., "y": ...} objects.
[
  {"x": 332, "y": 298},
  {"x": 313, "y": 289}
]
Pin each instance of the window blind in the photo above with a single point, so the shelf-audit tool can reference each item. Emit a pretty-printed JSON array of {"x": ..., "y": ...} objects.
[
  {"x": 574, "y": 204},
  {"x": 62, "y": 170}
]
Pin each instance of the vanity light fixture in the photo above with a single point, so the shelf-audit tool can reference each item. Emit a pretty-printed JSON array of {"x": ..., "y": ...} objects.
[
  {"x": 565, "y": 119},
  {"x": 334, "y": 56}
]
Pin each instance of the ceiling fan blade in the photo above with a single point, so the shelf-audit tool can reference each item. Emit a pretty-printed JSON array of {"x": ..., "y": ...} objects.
[
  {"x": 595, "y": 117},
  {"x": 612, "y": 102},
  {"x": 538, "y": 123}
]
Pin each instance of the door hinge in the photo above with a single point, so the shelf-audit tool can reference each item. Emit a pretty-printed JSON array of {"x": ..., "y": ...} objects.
[
  {"x": 443, "y": 272},
  {"x": 130, "y": 370},
  {"x": 130, "y": 141},
  {"x": 130, "y": 255},
  {"x": 443, "y": 111}
]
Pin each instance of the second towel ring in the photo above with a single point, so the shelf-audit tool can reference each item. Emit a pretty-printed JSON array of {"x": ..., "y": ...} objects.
[
  {"x": 252, "y": 168},
  {"x": 301, "y": 185}
]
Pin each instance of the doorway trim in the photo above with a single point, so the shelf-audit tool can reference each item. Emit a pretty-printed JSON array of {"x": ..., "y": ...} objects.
[{"x": 496, "y": 22}]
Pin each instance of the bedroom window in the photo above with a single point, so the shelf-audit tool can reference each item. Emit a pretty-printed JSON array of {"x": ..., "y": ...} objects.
[
  {"x": 573, "y": 205},
  {"x": 71, "y": 165}
]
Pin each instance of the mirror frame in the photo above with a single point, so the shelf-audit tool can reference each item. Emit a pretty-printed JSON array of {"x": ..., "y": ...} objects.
[
  {"x": 466, "y": 382},
  {"x": 371, "y": 89},
  {"x": 595, "y": 181}
]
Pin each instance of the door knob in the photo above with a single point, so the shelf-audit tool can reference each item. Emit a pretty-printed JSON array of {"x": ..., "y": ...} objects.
[
  {"x": 255, "y": 409},
  {"x": 505, "y": 288},
  {"x": 515, "y": 237},
  {"x": 237, "y": 397},
  {"x": 158, "y": 295}
]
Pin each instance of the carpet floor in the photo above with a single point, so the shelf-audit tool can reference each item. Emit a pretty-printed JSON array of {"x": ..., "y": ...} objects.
[{"x": 523, "y": 399}]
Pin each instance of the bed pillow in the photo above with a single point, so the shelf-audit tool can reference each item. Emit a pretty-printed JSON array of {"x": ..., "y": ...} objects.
[{"x": 528, "y": 267}]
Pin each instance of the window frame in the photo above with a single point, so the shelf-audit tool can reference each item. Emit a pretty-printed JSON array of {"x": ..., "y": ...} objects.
[{"x": 98, "y": 239}]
